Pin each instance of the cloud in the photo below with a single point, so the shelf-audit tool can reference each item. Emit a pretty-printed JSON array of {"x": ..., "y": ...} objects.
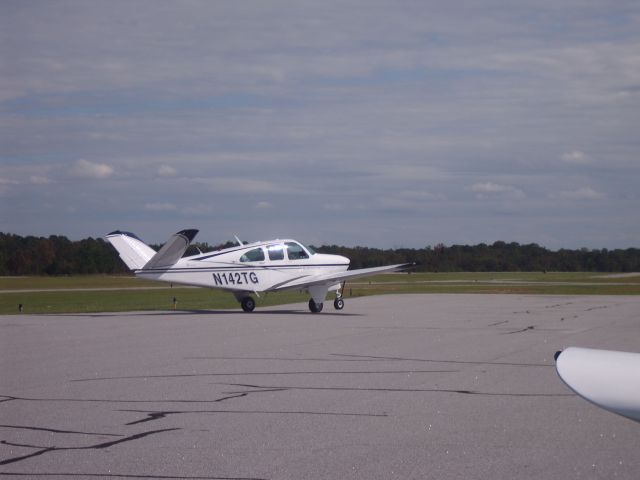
[
  {"x": 264, "y": 205},
  {"x": 86, "y": 169},
  {"x": 333, "y": 207},
  {"x": 405, "y": 171},
  {"x": 241, "y": 185},
  {"x": 5, "y": 185},
  {"x": 166, "y": 171},
  {"x": 576, "y": 157},
  {"x": 199, "y": 210},
  {"x": 39, "y": 180},
  {"x": 488, "y": 189},
  {"x": 8, "y": 181},
  {"x": 585, "y": 193},
  {"x": 160, "y": 207}
]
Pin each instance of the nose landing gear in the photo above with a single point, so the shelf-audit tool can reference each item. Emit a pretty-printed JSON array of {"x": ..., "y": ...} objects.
[{"x": 338, "y": 303}]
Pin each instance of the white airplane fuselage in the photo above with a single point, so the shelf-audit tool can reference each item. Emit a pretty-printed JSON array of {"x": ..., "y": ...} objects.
[{"x": 269, "y": 267}]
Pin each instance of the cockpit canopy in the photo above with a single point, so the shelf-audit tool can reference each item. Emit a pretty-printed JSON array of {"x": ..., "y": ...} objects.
[{"x": 276, "y": 252}]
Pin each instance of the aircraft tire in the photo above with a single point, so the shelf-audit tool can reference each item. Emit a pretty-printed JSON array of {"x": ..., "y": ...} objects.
[
  {"x": 248, "y": 304},
  {"x": 315, "y": 307},
  {"x": 338, "y": 304}
]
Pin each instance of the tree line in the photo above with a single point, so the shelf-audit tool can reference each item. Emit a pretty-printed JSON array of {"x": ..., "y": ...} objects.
[
  {"x": 57, "y": 255},
  {"x": 497, "y": 257}
]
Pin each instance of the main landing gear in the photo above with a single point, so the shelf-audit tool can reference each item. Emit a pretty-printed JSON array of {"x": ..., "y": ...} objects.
[
  {"x": 248, "y": 304},
  {"x": 314, "y": 307}
]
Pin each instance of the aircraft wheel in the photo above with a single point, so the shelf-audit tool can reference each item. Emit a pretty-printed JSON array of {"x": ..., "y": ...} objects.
[
  {"x": 315, "y": 307},
  {"x": 248, "y": 304},
  {"x": 338, "y": 304}
]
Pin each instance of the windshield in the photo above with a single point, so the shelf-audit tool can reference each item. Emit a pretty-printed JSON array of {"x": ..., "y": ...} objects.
[{"x": 296, "y": 251}]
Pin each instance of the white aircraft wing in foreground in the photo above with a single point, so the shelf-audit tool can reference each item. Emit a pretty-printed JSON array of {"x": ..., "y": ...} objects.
[
  {"x": 245, "y": 269},
  {"x": 609, "y": 379}
]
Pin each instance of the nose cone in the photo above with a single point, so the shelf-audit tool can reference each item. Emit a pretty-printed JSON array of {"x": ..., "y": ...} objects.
[
  {"x": 343, "y": 260},
  {"x": 337, "y": 260}
]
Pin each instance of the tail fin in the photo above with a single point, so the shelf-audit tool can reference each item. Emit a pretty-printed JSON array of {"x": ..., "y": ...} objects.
[
  {"x": 171, "y": 251},
  {"x": 133, "y": 251}
]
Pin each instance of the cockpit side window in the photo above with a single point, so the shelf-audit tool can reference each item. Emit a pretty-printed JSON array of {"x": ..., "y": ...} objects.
[
  {"x": 255, "y": 255},
  {"x": 276, "y": 252},
  {"x": 296, "y": 252}
]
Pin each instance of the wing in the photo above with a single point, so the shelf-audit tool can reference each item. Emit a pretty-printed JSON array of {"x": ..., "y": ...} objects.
[
  {"x": 610, "y": 379},
  {"x": 334, "y": 278}
]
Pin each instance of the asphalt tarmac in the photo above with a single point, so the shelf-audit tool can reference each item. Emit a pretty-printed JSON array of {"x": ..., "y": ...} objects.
[{"x": 406, "y": 386}]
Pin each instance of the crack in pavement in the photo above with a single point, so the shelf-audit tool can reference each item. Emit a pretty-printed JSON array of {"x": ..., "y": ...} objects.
[
  {"x": 156, "y": 415},
  {"x": 54, "y": 430},
  {"x": 123, "y": 475},
  {"x": 103, "y": 400},
  {"x": 530, "y": 327},
  {"x": 407, "y": 390},
  {"x": 464, "y": 362},
  {"x": 250, "y": 374},
  {"x": 98, "y": 446}
]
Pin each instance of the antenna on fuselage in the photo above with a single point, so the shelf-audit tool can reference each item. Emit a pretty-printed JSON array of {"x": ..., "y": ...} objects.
[{"x": 238, "y": 240}]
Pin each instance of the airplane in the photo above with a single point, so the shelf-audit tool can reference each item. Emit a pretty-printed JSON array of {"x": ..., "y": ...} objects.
[
  {"x": 607, "y": 378},
  {"x": 244, "y": 269}
]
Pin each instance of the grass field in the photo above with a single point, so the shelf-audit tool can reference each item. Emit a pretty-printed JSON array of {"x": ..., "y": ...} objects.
[{"x": 85, "y": 294}]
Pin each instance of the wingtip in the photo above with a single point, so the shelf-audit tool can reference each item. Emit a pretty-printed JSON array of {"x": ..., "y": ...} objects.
[
  {"x": 406, "y": 266},
  {"x": 126, "y": 234},
  {"x": 190, "y": 233}
]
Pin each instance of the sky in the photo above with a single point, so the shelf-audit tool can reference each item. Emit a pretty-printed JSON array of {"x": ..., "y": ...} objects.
[{"x": 375, "y": 123}]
